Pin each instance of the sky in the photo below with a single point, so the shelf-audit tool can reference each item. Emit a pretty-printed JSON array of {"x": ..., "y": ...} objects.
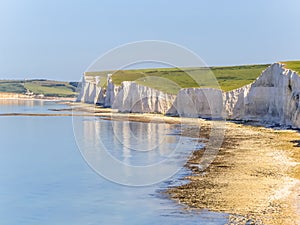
[{"x": 59, "y": 39}]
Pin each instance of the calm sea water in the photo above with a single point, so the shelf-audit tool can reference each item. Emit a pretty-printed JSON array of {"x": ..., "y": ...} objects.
[{"x": 44, "y": 178}]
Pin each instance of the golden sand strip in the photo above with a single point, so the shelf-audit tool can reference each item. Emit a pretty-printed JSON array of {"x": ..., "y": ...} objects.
[{"x": 7, "y": 96}]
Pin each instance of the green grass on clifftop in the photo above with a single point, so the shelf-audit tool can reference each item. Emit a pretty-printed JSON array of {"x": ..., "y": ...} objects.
[
  {"x": 12, "y": 86},
  {"x": 170, "y": 80},
  {"x": 51, "y": 88},
  {"x": 293, "y": 65},
  {"x": 39, "y": 86}
]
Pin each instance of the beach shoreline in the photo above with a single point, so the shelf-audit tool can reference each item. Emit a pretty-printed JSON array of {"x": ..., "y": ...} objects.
[
  {"x": 16, "y": 96},
  {"x": 254, "y": 177}
]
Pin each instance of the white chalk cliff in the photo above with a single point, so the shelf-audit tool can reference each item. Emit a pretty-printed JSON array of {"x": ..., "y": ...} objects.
[
  {"x": 133, "y": 97},
  {"x": 129, "y": 97},
  {"x": 88, "y": 91},
  {"x": 198, "y": 102},
  {"x": 273, "y": 97}
]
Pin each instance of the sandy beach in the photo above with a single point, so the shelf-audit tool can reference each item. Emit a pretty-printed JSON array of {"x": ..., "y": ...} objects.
[
  {"x": 15, "y": 96},
  {"x": 255, "y": 176}
]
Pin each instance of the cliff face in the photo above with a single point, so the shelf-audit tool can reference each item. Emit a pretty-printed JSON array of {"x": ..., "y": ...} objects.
[
  {"x": 273, "y": 97},
  {"x": 132, "y": 97},
  {"x": 129, "y": 97},
  {"x": 89, "y": 91},
  {"x": 198, "y": 102},
  {"x": 111, "y": 93}
]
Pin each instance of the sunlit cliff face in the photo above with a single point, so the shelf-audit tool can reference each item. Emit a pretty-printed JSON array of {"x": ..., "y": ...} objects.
[{"x": 273, "y": 98}]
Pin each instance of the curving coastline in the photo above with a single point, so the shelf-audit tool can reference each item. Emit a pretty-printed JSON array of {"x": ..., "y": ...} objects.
[{"x": 255, "y": 176}]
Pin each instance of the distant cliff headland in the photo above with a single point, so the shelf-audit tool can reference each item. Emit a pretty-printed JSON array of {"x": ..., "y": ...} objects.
[
  {"x": 37, "y": 88},
  {"x": 264, "y": 93}
]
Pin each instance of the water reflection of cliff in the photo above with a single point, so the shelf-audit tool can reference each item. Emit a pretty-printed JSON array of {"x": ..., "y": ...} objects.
[{"x": 131, "y": 151}]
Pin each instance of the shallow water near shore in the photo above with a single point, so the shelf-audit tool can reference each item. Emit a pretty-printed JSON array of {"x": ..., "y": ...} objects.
[
  {"x": 30, "y": 106},
  {"x": 45, "y": 180}
]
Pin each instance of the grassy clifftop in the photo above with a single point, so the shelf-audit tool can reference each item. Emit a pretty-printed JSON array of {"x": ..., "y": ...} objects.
[
  {"x": 39, "y": 86},
  {"x": 169, "y": 80},
  {"x": 293, "y": 65},
  {"x": 228, "y": 77}
]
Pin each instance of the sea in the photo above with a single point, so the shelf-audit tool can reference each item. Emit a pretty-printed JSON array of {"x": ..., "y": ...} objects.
[{"x": 86, "y": 170}]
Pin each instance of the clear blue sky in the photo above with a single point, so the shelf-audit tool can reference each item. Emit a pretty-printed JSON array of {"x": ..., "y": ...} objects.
[{"x": 58, "y": 39}]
